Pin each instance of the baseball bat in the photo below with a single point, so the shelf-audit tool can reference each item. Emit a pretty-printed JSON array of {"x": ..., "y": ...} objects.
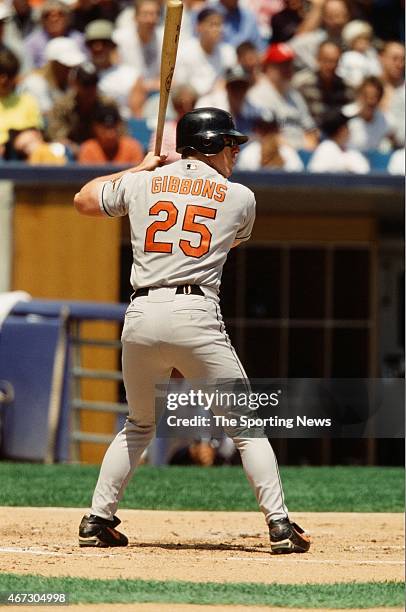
[{"x": 170, "y": 43}]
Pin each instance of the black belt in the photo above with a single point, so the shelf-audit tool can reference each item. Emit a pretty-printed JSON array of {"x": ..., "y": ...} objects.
[{"x": 184, "y": 289}]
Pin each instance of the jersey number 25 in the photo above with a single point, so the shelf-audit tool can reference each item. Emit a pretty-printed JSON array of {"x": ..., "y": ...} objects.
[{"x": 189, "y": 225}]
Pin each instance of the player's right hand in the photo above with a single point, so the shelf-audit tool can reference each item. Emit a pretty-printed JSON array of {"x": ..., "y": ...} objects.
[{"x": 151, "y": 161}]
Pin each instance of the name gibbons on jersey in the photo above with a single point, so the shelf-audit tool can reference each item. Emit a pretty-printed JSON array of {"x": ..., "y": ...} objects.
[{"x": 186, "y": 186}]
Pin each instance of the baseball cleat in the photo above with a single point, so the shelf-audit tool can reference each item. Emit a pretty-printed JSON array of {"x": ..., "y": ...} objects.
[
  {"x": 97, "y": 531},
  {"x": 287, "y": 537}
]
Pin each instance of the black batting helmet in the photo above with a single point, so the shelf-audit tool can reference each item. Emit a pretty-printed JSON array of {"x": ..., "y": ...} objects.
[{"x": 204, "y": 130}]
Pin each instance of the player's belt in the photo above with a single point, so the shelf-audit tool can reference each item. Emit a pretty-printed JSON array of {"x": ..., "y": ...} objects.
[{"x": 183, "y": 289}]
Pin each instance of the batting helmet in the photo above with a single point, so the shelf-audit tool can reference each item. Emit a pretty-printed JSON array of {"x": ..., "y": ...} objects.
[{"x": 204, "y": 130}]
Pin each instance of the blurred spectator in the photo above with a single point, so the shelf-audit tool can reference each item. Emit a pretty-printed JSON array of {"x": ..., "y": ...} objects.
[
  {"x": 29, "y": 145},
  {"x": 392, "y": 58},
  {"x": 324, "y": 21},
  {"x": 275, "y": 92},
  {"x": 23, "y": 17},
  {"x": 249, "y": 59},
  {"x": 267, "y": 151},
  {"x": 140, "y": 41},
  {"x": 369, "y": 127},
  {"x": 191, "y": 8},
  {"x": 50, "y": 82},
  {"x": 332, "y": 155},
  {"x": 18, "y": 111},
  {"x": 239, "y": 24},
  {"x": 264, "y": 10},
  {"x": 85, "y": 11},
  {"x": 396, "y": 116},
  {"x": 109, "y": 144},
  {"x": 115, "y": 80},
  {"x": 362, "y": 59},
  {"x": 323, "y": 90},
  {"x": 232, "y": 97},
  {"x": 396, "y": 163},
  {"x": 55, "y": 22},
  {"x": 202, "y": 61},
  {"x": 70, "y": 119},
  {"x": 10, "y": 36},
  {"x": 183, "y": 99},
  {"x": 286, "y": 23}
]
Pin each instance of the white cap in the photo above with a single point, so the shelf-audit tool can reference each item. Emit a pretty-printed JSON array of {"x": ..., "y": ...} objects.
[
  {"x": 356, "y": 28},
  {"x": 5, "y": 11},
  {"x": 65, "y": 51}
]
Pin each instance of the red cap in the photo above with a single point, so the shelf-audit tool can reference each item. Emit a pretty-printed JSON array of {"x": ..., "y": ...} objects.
[{"x": 278, "y": 53}]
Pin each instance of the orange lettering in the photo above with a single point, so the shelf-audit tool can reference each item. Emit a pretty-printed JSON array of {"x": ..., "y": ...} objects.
[
  {"x": 156, "y": 184},
  {"x": 208, "y": 189},
  {"x": 174, "y": 182},
  {"x": 197, "y": 187},
  {"x": 185, "y": 186},
  {"x": 221, "y": 191}
]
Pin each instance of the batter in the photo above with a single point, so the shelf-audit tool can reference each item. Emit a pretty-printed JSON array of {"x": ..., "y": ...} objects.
[{"x": 184, "y": 218}]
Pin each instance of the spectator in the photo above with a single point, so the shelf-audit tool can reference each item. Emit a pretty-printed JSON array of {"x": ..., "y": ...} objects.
[
  {"x": 249, "y": 59},
  {"x": 396, "y": 116},
  {"x": 49, "y": 83},
  {"x": 202, "y": 61},
  {"x": 18, "y": 111},
  {"x": 287, "y": 23},
  {"x": 23, "y": 18},
  {"x": 324, "y": 21},
  {"x": 267, "y": 151},
  {"x": 239, "y": 24},
  {"x": 369, "y": 127},
  {"x": 55, "y": 22},
  {"x": 140, "y": 41},
  {"x": 232, "y": 97},
  {"x": 191, "y": 9},
  {"x": 263, "y": 11},
  {"x": 183, "y": 98},
  {"x": 332, "y": 155},
  {"x": 116, "y": 81},
  {"x": 9, "y": 35},
  {"x": 275, "y": 93},
  {"x": 362, "y": 59},
  {"x": 85, "y": 11},
  {"x": 29, "y": 145},
  {"x": 396, "y": 163},
  {"x": 70, "y": 120},
  {"x": 392, "y": 59},
  {"x": 323, "y": 90},
  {"x": 109, "y": 145}
]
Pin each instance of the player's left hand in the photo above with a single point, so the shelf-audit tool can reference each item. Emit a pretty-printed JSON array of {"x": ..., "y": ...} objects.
[{"x": 151, "y": 161}]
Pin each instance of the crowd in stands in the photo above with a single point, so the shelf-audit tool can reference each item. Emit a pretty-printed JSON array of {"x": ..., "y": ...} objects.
[{"x": 315, "y": 83}]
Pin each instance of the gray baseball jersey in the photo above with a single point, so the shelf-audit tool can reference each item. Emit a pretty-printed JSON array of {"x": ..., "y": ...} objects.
[{"x": 184, "y": 219}]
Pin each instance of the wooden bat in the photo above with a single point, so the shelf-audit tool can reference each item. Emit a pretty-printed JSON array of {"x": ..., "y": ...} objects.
[{"x": 170, "y": 43}]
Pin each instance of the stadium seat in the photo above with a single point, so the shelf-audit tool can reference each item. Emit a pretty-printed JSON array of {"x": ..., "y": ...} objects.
[{"x": 137, "y": 128}]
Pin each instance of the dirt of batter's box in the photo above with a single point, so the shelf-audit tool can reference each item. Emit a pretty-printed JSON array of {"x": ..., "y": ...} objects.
[{"x": 204, "y": 547}]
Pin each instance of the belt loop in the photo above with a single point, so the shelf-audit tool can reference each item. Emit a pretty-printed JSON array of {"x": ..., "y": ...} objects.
[{"x": 187, "y": 289}]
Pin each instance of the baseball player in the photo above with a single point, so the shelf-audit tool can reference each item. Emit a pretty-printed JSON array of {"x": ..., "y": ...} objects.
[{"x": 184, "y": 219}]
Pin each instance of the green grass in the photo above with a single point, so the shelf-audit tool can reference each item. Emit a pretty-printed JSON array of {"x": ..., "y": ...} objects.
[
  {"x": 322, "y": 596},
  {"x": 307, "y": 489}
]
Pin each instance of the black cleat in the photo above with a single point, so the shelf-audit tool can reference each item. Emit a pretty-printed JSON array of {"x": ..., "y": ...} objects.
[
  {"x": 287, "y": 537},
  {"x": 97, "y": 531}
]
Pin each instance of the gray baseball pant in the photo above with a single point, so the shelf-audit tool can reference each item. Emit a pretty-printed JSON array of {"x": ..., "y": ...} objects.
[{"x": 162, "y": 331}]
